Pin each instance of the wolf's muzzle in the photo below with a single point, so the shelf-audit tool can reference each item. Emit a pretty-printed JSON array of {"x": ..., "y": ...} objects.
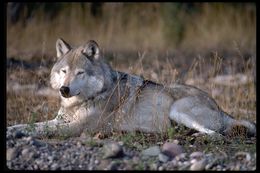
[{"x": 65, "y": 91}]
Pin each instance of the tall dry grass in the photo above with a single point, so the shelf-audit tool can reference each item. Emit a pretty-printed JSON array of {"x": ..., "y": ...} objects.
[
  {"x": 222, "y": 26},
  {"x": 138, "y": 27}
]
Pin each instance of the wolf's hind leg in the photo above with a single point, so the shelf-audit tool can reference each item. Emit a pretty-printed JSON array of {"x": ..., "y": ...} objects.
[
  {"x": 187, "y": 120},
  {"x": 190, "y": 112}
]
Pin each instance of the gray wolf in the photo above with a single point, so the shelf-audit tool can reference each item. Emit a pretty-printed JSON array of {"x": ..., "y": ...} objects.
[{"x": 95, "y": 97}]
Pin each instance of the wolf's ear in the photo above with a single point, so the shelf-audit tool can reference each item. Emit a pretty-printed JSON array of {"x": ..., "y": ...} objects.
[
  {"x": 91, "y": 49},
  {"x": 62, "y": 47}
]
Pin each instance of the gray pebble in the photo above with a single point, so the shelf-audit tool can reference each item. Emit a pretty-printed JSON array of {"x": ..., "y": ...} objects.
[
  {"x": 90, "y": 167},
  {"x": 163, "y": 158},
  {"x": 151, "y": 151},
  {"x": 54, "y": 166},
  {"x": 172, "y": 149},
  {"x": 35, "y": 167},
  {"x": 135, "y": 159},
  {"x": 161, "y": 168},
  {"x": 154, "y": 166},
  {"x": 18, "y": 134},
  {"x": 184, "y": 165},
  {"x": 175, "y": 141},
  {"x": 96, "y": 162},
  {"x": 196, "y": 155},
  {"x": 113, "y": 166},
  {"x": 50, "y": 158},
  {"x": 211, "y": 164},
  {"x": 11, "y": 153},
  {"x": 198, "y": 165},
  {"x": 29, "y": 138},
  {"x": 180, "y": 157},
  {"x": 39, "y": 162},
  {"x": 79, "y": 144},
  {"x": 112, "y": 150},
  {"x": 25, "y": 152}
]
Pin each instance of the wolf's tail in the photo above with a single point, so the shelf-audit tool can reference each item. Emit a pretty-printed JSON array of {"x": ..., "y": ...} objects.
[{"x": 231, "y": 123}]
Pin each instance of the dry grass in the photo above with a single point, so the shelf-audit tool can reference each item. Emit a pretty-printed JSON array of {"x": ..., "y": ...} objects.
[
  {"x": 137, "y": 27},
  {"x": 221, "y": 26}
]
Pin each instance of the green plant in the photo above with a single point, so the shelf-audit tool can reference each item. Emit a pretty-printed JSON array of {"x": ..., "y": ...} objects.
[
  {"x": 31, "y": 125},
  {"x": 171, "y": 132}
]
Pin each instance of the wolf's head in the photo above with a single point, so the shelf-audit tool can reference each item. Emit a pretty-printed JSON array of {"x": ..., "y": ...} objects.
[{"x": 79, "y": 71}]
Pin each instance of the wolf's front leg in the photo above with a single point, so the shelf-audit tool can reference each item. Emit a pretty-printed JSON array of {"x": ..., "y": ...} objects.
[
  {"x": 51, "y": 128},
  {"x": 35, "y": 129}
]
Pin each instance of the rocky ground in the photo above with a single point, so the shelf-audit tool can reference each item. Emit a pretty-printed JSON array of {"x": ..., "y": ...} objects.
[{"x": 88, "y": 153}]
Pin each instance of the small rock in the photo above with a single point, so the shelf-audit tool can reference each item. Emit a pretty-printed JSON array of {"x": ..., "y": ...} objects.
[
  {"x": 222, "y": 155},
  {"x": 243, "y": 156},
  {"x": 112, "y": 150},
  {"x": 37, "y": 143},
  {"x": 163, "y": 158},
  {"x": 196, "y": 155},
  {"x": 154, "y": 166},
  {"x": 50, "y": 158},
  {"x": 96, "y": 162},
  {"x": 211, "y": 164},
  {"x": 151, "y": 151},
  {"x": 39, "y": 161},
  {"x": 25, "y": 152},
  {"x": 161, "y": 168},
  {"x": 54, "y": 166},
  {"x": 28, "y": 154},
  {"x": 90, "y": 168},
  {"x": 28, "y": 139},
  {"x": 184, "y": 165},
  {"x": 11, "y": 153},
  {"x": 219, "y": 167},
  {"x": 121, "y": 143},
  {"x": 198, "y": 165},
  {"x": 180, "y": 157},
  {"x": 175, "y": 141},
  {"x": 18, "y": 134},
  {"x": 171, "y": 149},
  {"x": 174, "y": 162},
  {"x": 113, "y": 166},
  {"x": 79, "y": 144},
  {"x": 35, "y": 167},
  {"x": 135, "y": 159}
]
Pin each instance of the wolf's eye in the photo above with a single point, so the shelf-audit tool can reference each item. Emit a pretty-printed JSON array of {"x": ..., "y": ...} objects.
[
  {"x": 80, "y": 72},
  {"x": 64, "y": 71}
]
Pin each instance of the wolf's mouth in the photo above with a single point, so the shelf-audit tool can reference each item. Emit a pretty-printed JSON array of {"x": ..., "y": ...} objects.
[{"x": 65, "y": 95}]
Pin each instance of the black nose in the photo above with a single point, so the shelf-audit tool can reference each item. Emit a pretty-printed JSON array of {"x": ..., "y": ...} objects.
[{"x": 64, "y": 91}]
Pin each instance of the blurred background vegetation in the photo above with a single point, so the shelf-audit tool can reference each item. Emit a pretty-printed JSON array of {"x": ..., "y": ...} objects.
[{"x": 33, "y": 28}]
